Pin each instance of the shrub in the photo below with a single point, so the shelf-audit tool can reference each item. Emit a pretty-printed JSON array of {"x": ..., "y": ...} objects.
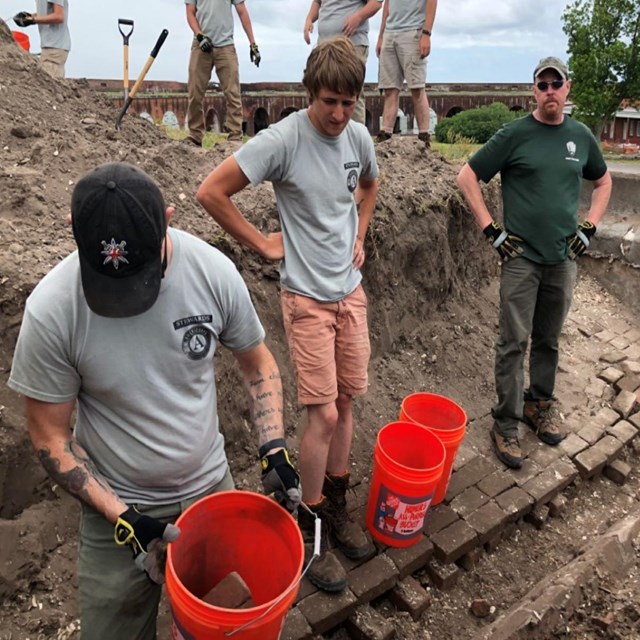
[{"x": 475, "y": 125}]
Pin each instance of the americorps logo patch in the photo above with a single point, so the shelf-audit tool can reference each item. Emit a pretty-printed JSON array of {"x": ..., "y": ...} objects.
[{"x": 196, "y": 342}]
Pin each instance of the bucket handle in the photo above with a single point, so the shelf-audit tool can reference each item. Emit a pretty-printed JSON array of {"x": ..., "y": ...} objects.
[{"x": 316, "y": 554}]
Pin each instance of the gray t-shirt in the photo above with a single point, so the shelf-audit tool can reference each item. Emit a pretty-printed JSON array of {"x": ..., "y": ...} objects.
[
  {"x": 215, "y": 19},
  {"x": 406, "y": 15},
  {"x": 54, "y": 36},
  {"x": 314, "y": 178},
  {"x": 331, "y": 19},
  {"x": 145, "y": 385}
]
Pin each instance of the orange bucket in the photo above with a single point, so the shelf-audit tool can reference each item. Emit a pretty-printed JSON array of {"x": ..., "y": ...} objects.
[
  {"x": 445, "y": 419},
  {"x": 22, "y": 39},
  {"x": 407, "y": 464},
  {"x": 233, "y": 531}
]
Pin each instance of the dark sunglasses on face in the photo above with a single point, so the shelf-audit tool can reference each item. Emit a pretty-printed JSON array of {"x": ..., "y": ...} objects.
[{"x": 543, "y": 85}]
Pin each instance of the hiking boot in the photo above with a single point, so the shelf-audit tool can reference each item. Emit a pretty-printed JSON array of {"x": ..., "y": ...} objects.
[
  {"x": 325, "y": 571},
  {"x": 507, "y": 448},
  {"x": 348, "y": 535},
  {"x": 383, "y": 136},
  {"x": 193, "y": 141},
  {"x": 541, "y": 416},
  {"x": 425, "y": 137}
]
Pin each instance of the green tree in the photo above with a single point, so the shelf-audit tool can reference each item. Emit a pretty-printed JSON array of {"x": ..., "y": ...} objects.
[
  {"x": 604, "y": 62},
  {"x": 475, "y": 125}
]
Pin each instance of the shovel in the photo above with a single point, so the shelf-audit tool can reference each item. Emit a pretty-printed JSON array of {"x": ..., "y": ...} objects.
[
  {"x": 152, "y": 56},
  {"x": 125, "y": 48}
]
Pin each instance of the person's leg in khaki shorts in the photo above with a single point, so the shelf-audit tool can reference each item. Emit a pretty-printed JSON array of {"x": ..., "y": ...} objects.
[{"x": 390, "y": 79}]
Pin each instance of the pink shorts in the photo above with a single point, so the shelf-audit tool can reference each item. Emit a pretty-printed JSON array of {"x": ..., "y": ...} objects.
[{"x": 329, "y": 345}]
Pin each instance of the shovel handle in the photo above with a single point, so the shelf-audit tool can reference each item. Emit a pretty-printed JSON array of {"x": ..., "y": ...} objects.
[{"x": 125, "y": 35}]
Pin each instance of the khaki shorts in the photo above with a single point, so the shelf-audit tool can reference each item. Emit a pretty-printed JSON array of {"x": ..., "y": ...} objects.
[
  {"x": 400, "y": 60},
  {"x": 329, "y": 345}
]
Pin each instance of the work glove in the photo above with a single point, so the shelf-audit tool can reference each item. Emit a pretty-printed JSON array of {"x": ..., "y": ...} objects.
[
  {"x": 24, "y": 19},
  {"x": 147, "y": 538},
  {"x": 507, "y": 244},
  {"x": 280, "y": 478},
  {"x": 205, "y": 44},
  {"x": 577, "y": 243},
  {"x": 254, "y": 54}
]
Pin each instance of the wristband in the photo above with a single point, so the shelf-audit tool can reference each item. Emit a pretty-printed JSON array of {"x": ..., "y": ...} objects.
[
  {"x": 272, "y": 444},
  {"x": 426, "y": 32}
]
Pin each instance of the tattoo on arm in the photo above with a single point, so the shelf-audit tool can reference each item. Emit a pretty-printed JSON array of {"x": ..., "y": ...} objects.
[{"x": 266, "y": 404}]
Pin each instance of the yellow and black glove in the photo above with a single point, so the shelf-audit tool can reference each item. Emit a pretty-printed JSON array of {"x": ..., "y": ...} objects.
[
  {"x": 279, "y": 477},
  {"x": 578, "y": 243},
  {"x": 147, "y": 538},
  {"x": 507, "y": 244}
]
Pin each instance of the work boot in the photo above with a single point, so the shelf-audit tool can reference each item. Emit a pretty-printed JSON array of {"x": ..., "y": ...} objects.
[
  {"x": 507, "y": 447},
  {"x": 425, "y": 137},
  {"x": 193, "y": 141},
  {"x": 383, "y": 136},
  {"x": 325, "y": 571},
  {"x": 348, "y": 535},
  {"x": 541, "y": 416}
]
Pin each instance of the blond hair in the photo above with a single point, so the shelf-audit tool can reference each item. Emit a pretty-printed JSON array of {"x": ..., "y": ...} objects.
[{"x": 334, "y": 65}]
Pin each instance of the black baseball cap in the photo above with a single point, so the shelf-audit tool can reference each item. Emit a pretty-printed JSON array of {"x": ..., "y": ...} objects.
[{"x": 119, "y": 223}]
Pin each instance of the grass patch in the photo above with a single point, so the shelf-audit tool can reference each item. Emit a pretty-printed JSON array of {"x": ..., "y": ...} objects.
[
  {"x": 456, "y": 151},
  {"x": 210, "y": 139}
]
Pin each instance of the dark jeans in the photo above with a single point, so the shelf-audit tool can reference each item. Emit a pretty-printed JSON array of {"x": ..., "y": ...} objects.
[{"x": 534, "y": 302}]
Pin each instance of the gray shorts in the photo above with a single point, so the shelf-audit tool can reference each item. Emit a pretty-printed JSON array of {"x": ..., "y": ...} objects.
[
  {"x": 117, "y": 600},
  {"x": 400, "y": 60}
]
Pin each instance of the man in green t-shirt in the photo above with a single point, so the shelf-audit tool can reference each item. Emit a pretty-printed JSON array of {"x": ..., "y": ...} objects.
[{"x": 542, "y": 159}]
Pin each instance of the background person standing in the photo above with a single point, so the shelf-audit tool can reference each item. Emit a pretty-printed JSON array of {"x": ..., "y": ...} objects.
[
  {"x": 212, "y": 24},
  {"x": 403, "y": 46},
  {"x": 542, "y": 159},
  {"x": 344, "y": 18},
  {"x": 51, "y": 16}
]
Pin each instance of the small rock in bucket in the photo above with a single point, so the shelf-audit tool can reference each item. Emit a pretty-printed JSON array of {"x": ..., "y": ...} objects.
[{"x": 231, "y": 592}]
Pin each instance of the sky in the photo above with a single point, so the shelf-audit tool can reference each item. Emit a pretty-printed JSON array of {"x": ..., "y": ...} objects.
[{"x": 473, "y": 40}]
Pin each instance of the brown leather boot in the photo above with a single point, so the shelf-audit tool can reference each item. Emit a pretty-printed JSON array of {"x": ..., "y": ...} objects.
[
  {"x": 325, "y": 572},
  {"x": 349, "y": 536},
  {"x": 425, "y": 137},
  {"x": 542, "y": 417}
]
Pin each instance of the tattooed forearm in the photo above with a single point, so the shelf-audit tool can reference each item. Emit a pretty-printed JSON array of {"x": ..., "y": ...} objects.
[{"x": 265, "y": 390}]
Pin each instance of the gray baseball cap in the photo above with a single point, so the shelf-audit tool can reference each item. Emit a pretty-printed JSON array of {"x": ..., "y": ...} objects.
[{"x": 551, "y": 62}]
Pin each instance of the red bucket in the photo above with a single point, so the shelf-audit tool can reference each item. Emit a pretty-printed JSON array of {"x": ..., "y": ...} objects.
[
  {"x": 22, "y": 39},
  {"x": 445, "y": 419},
  {"x": 233, "y": 531}
]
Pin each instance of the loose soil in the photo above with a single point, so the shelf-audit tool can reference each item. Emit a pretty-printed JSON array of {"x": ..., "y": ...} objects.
[{"x": 433, "y": 316}]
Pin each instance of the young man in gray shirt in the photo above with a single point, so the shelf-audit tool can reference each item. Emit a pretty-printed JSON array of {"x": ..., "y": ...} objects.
[
  {"x": 344, "y": 17},
  {"x": 316, "y": 159},
  {"x": 125, "y": 329}
]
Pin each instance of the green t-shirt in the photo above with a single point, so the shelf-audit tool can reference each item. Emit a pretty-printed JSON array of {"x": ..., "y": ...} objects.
[{"x": 542, "y": 167}]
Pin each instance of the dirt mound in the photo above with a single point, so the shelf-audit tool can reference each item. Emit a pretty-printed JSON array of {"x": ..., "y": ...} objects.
[{"x": 422, "y": 252}]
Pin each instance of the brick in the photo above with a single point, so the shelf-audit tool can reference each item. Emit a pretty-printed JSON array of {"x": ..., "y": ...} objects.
[
  {"x": 590, "y": 462},
  {"x": 438, "y": 518},
  {"x": 618, "y": 471},
  {"x": 468, "y": 501},
  {"x": 545, "y": 455},
  {"x": 409, "y": 559},
  {"x": 515, "y": 502},
  {"x": 618, "y": 326},
  {"x": 306, "y": 589},
  {"x": 373, "y": 578},
  {"x": 635, "y": 420},
  {"x": 551, "y": 481},
  {"x": 610, "y": 446},
  {"x": 367, "y": 624},
  {"x": 358, "y": 497},
  {"x": 324, "y": 611},
  {"x": 596, "y": 389},
  {"x": 633, "y": 335},
  {"x": 472, "y": 472},
  {"x": 572, "y": 445},
  {"x": 611, "y": 375},
  {"x": 557, "y": 506},
  {"x": 296, "y": 626},
  {"x": 487, "y": 521},
  {"x": 528, "y": 470},
  {"x": 469, "y": 561},
  {"x": 624, "y": 403},
  {"x": 631, "y": 366},
  {"x": 629, "y": 382},
  {"x": 613, "y": 357},
  {"x": 620, "y": 343},
  {"x": 454, "y": 541},
  {"x": 409, "y": 596},
  {"x": 496, "y": 483},
  {"x": 605, "y": 336},
  {"x": 464, "y": 454},
  {"x": 591, "y": 433},
  {"x": 528, "y": 441},
  {"x": 492, "y": 544},
  {"x": 624, "y": 431},
  {"x": 632, "y": 352},
  {"x": 443, "y": 576},
  {"x": 538, "y": 516},
  {"x": 606, "y": 417}
]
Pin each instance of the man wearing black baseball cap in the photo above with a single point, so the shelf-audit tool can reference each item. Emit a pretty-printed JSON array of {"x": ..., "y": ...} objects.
[
  {"x": 127, "y": 328},
  {"x": 542, "y": 159}
]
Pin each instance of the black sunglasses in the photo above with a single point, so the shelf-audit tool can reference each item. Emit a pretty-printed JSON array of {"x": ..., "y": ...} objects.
[{"x": 543, "y": 85}]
